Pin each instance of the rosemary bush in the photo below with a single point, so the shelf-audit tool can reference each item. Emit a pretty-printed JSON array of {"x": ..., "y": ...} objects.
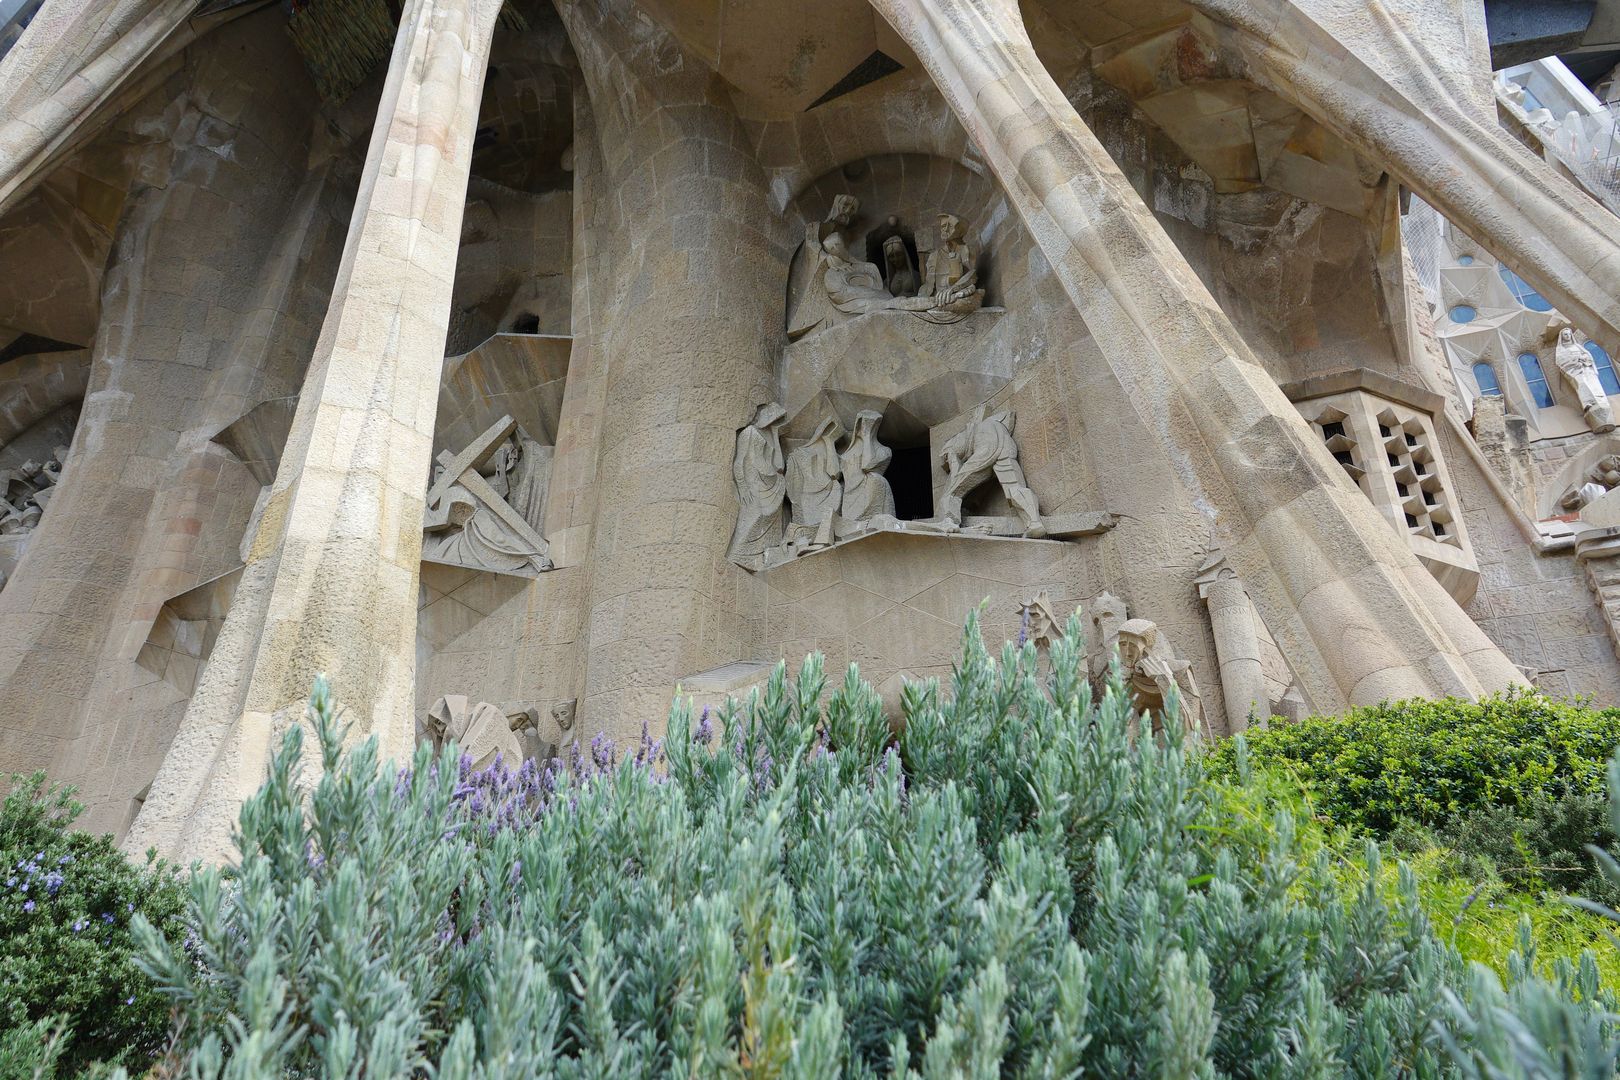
[{"x": 1014, "y": 887}]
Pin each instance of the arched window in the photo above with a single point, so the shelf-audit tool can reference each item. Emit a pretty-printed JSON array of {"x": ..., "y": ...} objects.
[
  {"x": 1605, "y": 366},
  {"x": 1522, "y": 292},
  {"x": 1462, "y": 313},
  {"x": 1485, "y": 376},
  {"x": 1538, "y": 382}
]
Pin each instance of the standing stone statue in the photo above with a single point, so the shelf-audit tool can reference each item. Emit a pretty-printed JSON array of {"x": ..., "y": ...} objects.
[
  {"x": 1151, "y": 668},
  {"x": 813, "y": 487},
  {"x": 866, "y": 493},
  {"x": 1581, "y": 371},
  {"x": 756, "y": 468},
  {"x": 952, "y": 275},
  {"x": 986, "y": 447}
]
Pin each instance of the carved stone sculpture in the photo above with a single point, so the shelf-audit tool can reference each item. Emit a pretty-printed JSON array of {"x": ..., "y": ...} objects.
[
  {"x": 26, "y": 491},
  {"x": 841, "y": 281},
  {"x": 757, "y": 470},
  {"x": 1039, "y": 625},
  {"x": 1602, "y": 478},
  {"x": 952, "y": 275},
  {"x": 866, "y": 493},
  {"x": 481, "y": 731},
  {"x": 814, "y": 488},
  {"x": 563, "y": 713},
  {"x": 900, "y": 276},
  {"x": 1151, "y": 668},
  {"x": 985, "y": 448},
  {"x": 1581, "y": 371},
  {"x": 468, "y": 521}
]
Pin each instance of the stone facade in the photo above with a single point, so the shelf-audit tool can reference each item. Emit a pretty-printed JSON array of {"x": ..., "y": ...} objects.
[{"x": 569, "y": 356}]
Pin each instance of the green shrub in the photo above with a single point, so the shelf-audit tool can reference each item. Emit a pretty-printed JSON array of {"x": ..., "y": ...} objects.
[
  {"x": 1015, "y": 889},
  {"x": 1431, "y": 762},
  {"x": 66, "y": 903}
]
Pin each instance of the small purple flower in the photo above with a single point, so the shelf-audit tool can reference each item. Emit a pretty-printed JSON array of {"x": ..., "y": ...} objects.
[
  {"x": 28, "y": 905},
  {"x": 705, "y": 728},
  {"x": 53, "y": 882},
  {"x": 106, "y": 917},
  {"x": 130, "y": 1000},
  {"x": 80, "y": 924}
]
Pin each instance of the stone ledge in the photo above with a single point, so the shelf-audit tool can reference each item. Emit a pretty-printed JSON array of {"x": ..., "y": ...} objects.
[{"x": 1373, "y": 382}]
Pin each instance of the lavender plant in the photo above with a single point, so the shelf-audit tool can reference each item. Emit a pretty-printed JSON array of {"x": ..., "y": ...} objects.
[{"x": 1013, "y": 886}]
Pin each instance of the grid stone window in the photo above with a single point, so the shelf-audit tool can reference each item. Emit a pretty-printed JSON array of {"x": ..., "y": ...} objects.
[{"x": 1381, "y": 431}]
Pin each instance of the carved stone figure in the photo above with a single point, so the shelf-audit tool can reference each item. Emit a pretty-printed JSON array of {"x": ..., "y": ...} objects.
[
  {"x": 481, "y": 731},
  {"x": 26, "y": 491},
  {"x": 1577, "y": 497},
  {"x": 952, "y": 274},
  {"x": 1151, "y": 668},
  {"x": 866, "y": 493},
  {"x": 1581, "y": 371},
  {"x": 1039, "y": 625},
  {"x": 468, "y": 521},
  {"x": 1602, "y": 478},
  {"x": 899, "y": 274},
  {"x": 983, "y": 448},
  {"x": 756, "y": 469},
  {"x": 528, "y": 477},
  {"x": 563, "y": 713},
  {"x": 814, "y": 489}
]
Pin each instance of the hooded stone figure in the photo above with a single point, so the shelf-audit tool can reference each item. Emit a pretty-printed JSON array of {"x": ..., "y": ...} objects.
[
  {"x": 866, "y": 493},
  {"x": 756, "y": 468},
  {"x": 898, "y": 273},
  {"x": 813, "y": 488},
  {"x": 1581, "y": 371}
]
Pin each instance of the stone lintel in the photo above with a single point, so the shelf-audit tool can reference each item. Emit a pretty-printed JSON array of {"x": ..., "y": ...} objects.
[{"x": 1372, "y": 382}]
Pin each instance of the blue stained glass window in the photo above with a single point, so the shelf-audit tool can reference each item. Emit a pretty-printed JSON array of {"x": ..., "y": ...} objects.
[
  {"x": 1605, "y": 366},
  {"x": 1485, "y": 376},
  {"x": 1465, "y": 260},
  {"x": 1522, "y": 292},
  {"x": 1462, "y": 313},
  {"x": 1538, "y": 382}
]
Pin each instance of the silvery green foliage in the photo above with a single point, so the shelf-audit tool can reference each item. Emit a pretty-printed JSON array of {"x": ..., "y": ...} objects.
[{"x": 1015, "y": 888}]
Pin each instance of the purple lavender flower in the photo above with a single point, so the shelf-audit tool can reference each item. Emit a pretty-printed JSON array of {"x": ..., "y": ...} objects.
[
  {"x": 80, "y": 924},
  {"x": 705, "y": 728},
  {"x": 28, "y": 905},
  {"x": 53, "y": 882}
]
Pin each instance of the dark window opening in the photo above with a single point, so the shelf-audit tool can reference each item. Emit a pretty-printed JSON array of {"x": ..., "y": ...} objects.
[
  {"x": 912, "y": 482},
  {"x": 1411, "y": 522},
  {"x": 1439, "y": 529},
  {"x": 1411, "y": 440},
  {"x": 1428, "y": 498},
  {"x": 1330, "y": 430},
  {"x": 1383, "y": 429},
  {"x": 1344, "y": 457},
  {"x": 1394, "y": 462},
  {"x": 1402, "y": 490},
  {"x": 526, "y": 324}
]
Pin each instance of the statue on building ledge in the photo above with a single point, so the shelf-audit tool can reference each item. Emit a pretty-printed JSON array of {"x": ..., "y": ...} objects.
[
  {"x": 844, "y": 283},
  {"x": 1581, "y": 371},
  {"x": 485, "y": 504},
  {"x": 982, "y": 449}
]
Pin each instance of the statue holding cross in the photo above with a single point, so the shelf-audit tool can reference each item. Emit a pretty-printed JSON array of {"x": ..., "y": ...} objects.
[{"x": 468, "y": 521}]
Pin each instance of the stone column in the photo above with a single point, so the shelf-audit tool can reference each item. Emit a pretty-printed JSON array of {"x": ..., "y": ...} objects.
[
  {"x": 331, "y": 578},
  {"x": 1335, "y": 584},
  {"x": 685, "y": 296},
  {"x": 1237, "y": 646},
  {"x": 1410, "y": 87},
  {"x": 71, "y": 59}
]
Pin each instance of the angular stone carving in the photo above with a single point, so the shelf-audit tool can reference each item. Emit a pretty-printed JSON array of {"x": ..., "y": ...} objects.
[
  {"x": 953, "y": 275},
  {"x": 468, "y": 520},
  {"x": 841, "y": 282},
  {"x": 1151, "y": 668},
  {"x": 1602, "y": 478},
  {"x": 982, "y": 449},
  {"x": 757, "y": 470},
  {"x": 27, "y": 492},
  {"x": 1581, "y": 371},
  {"x": 867, "y": 495},
  {"x": 1038, "y": 624},
  {"x": 814, "y": 486},
  {"x": 481, "y": 731}
]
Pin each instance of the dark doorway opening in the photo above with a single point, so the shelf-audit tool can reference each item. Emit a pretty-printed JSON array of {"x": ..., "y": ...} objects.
[{"x": 912, "y": 482}]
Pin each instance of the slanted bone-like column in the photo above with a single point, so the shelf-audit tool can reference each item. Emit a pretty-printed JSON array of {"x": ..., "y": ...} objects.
[
  {"x": 72, "y": 58},
  {"x": 1337, "y": 584},
  {"x": 331, "y": 578},
  {"x": 1408, "y": 84},
  {"x": 1237, "y": 645}
]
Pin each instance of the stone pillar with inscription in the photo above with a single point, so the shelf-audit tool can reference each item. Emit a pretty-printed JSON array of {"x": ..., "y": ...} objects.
[{"x": 331, "y": 580}]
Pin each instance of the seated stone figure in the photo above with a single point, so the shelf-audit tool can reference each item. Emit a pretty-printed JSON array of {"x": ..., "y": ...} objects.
[
  {"x": 952, "y": 275},
  {"x": 867, "y": 495},
  {"x": 982, "y": 449}
]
